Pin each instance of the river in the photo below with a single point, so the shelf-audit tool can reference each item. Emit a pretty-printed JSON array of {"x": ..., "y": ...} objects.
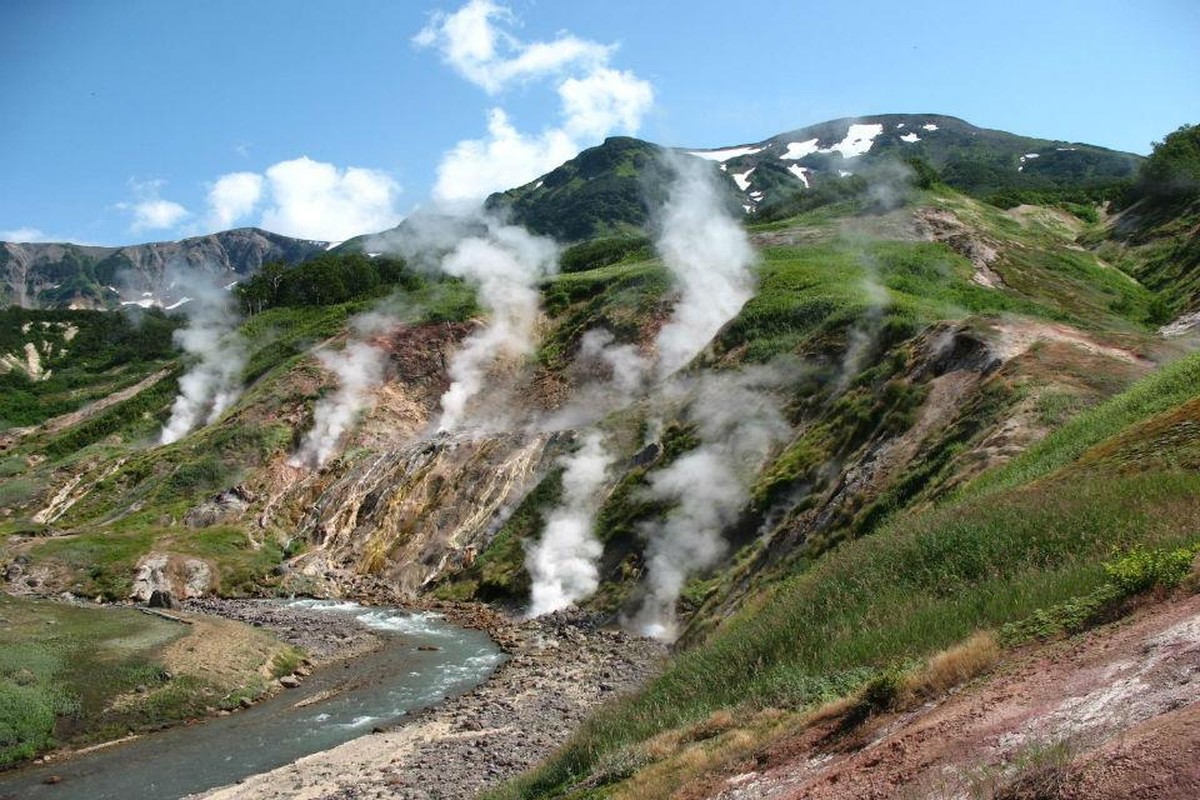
[{"x": 367, "y": 692}]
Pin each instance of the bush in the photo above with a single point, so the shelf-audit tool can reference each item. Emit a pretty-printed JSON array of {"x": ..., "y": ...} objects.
[{"x": 1141, "y": 570}]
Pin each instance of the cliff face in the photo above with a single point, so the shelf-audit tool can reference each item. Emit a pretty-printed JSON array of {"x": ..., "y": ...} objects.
[{"x": 77, "y": 276}]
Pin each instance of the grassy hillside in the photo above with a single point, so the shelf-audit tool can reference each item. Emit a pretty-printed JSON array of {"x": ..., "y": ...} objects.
[{"x": 918, "y": 585}]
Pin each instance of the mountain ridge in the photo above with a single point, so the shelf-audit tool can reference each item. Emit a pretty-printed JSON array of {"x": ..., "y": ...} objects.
[{"x": 609, "y": 189}]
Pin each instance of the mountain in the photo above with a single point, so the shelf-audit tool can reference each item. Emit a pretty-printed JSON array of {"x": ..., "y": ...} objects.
[
  {"x": 611, "y": 188},
  {"x": 45, "y": 275}
]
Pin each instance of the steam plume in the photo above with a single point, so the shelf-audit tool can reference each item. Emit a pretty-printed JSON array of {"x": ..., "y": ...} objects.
[
  {"x": 505, "y": 265},
  {"x": 213, "y": 383},
  {"x": 563, "y": 564},
  {"x": 738, "y": 423},
  {"x": 710, "y": 257},
  {"x": 359, "y": 368}
]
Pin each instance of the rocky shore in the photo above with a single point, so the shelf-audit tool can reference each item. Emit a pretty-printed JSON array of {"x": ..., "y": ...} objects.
[
  {"x": 561, "y": 667},
  {"x": 323, "y": 637}
]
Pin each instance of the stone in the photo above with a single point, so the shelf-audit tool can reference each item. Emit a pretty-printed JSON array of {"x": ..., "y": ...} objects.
[
  {"x": 289, "y": 681},
  {"x": 162, "y": 598}
]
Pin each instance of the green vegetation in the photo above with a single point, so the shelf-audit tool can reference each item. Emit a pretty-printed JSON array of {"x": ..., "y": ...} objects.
[
  {"x": 61, "y": 666},
  {"x": 1172, "y": 172},
  {"x": 498, "y": 574},
  {"x": 607, "y": 189},
  {"x": 920, "y": 583},
  {"x": 84, "y": 356},
  {"x": 1168, "y": 387},
  {"x": 328, "y": 279},
  {"x": 597, "y": 253}
]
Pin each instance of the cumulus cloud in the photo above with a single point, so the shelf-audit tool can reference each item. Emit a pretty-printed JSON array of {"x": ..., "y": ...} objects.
[
  {"x": 595, "y": 100},
  {"x": 604, "y": 101},
  {"x": 472, "y": 42},
  {"x": 307, "y": 199},
  {"x": 232, "y": 197},
  {"x": 474, "y": 168},
  {"x": 150, "y": 211}
]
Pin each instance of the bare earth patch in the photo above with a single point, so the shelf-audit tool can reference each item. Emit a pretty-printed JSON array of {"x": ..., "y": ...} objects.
[{"x": 1117, "y": 707}]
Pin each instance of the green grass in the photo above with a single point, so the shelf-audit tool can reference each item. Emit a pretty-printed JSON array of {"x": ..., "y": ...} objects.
[
  {"x": 60, "y": 666},
  {"x": 622, "y": 298},
  {"x": 102, "y": 561},
  {"x": 242, "y": 567},
  {"x": 919, "y": 584},
  {"x": 1158, "y": 392},
  {"x": 808, "y": 295}
]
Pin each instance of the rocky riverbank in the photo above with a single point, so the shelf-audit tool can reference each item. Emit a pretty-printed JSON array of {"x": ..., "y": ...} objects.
[
  {"x": 323, "y": 637},
  {"x": 561, "y": 667}
]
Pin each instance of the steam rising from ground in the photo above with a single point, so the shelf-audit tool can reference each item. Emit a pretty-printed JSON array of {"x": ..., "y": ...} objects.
[
  {"x": 505, "y": 266},
  {"x": 738, "y": 422},
  {"x": 359, "y": 368},
  {"x": 213, "y": 382},
  {"x": 563, "y": 563},
  {"x": 710, "y": 257}
]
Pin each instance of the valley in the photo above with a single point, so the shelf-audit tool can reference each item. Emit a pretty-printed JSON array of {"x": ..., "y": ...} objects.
[{"x": 805, "y": 469}]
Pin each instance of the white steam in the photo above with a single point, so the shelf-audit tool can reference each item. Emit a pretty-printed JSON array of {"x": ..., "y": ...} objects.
[
  {"x": 710, "y": 257},
  {"x": 738, "y": 423},
  {"x": 213, "y": 383},
  {"x": 563, "y": 563},
  {"x": 505, "y": 266},
  {"x": 359, "y": 369}
]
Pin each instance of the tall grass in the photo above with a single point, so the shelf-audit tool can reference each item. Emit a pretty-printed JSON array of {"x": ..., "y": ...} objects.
[
  {"x": 1154, "y": 394},
  {"x": 916, "y": 587}
]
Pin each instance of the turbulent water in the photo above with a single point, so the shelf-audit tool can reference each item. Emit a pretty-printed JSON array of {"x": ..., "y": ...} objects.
[{"x": 371, "y": 691}]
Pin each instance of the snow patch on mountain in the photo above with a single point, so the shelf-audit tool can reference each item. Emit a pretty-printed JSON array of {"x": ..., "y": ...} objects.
[
  {"x": 857, "y": 142},
  {"x": 742, "y": 179},
  {"x": 721, "y": 156},
  {"x": 799, "y": 171},
  {"x": 797, "y": 150},
  {"x": 910, "y": 138}
]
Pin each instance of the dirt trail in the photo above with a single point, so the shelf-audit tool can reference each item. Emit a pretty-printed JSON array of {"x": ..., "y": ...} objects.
[
  {"x": 1017, "y": 336},
  {"x": 1112, "y": 713},
  {"x": 64, "y": 421}
]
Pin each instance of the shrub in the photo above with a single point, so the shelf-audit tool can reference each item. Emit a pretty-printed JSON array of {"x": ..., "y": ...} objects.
[{"x": 1141, "y": 570}]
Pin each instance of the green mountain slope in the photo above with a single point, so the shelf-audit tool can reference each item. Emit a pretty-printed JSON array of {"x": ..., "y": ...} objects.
[{"x": 611, "y": 188}]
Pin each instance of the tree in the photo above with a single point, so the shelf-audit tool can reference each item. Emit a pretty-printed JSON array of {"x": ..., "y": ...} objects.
[{"x": 1172, "y": 172}]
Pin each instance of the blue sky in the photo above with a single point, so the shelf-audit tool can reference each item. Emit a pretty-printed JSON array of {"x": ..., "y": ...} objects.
[{"x": 134, "y": 121}]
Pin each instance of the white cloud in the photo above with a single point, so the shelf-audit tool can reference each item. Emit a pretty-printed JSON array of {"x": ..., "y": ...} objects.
[
  {"x": 314, "y": 200},
  {"x": 307, "y": 199},
  {"x": 604, "y": 101},
  {"x": 233, "y": 197},
  {"x": 151, "y": 212},
  {"x": 23, "y": 235},
  {"x": 476, "y": 167},
  {"x": 490, "y": 57},
  {"x": 595, "y": 100}
]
